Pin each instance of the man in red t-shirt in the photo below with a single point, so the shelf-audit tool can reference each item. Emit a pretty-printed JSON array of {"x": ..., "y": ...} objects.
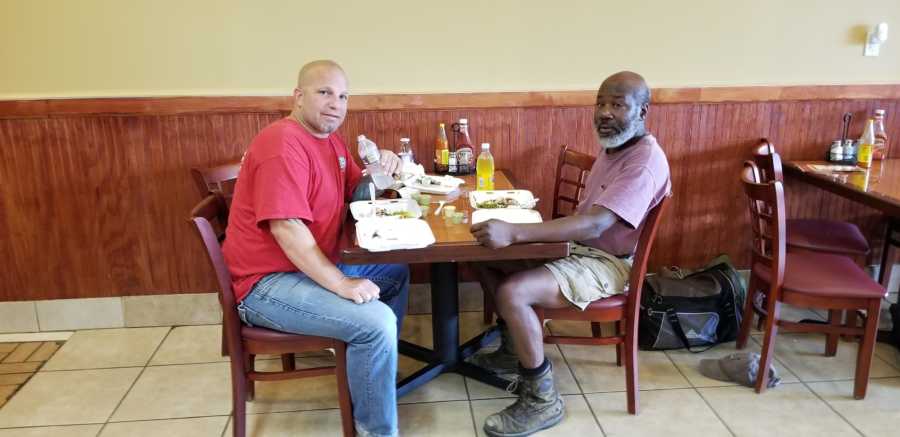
[{"x": 281, "y": 245}]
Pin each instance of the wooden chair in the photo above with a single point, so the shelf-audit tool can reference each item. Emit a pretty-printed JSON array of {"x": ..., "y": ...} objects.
[
  {"x": 619, "y": 308},
  {"x": 804, "y": 279},
  {"x": 828, "y": 236},
  {"x": 567, "y": 161},
  {"x": 817, "y": 235},
  {"x": 246, "y": 342},
  {"x": 218, "y": 179},
  {"x": 581, "y": 164}
]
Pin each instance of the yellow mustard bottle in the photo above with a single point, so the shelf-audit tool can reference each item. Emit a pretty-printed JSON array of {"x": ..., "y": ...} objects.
[
  {"x": 484, "y": 168},
  {"x": 866, "y": 145}
]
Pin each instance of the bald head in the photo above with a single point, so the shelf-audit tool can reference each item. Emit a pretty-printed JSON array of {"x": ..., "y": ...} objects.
[
  {"x": 312, "y": 70},
  {"x": 622, "y": 104},
  {"x": 320, "y": 99},
  {"x": 628, "y": 83}
]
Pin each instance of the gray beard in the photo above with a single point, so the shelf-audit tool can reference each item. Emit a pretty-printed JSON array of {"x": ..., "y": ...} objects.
[{"x": 620, "y": 138}]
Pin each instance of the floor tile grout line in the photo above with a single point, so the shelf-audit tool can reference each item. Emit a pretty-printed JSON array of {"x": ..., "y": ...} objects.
[
  {"x": 831, "y": 407},
  {"x": 694, "y": 388},
  {"x": 471, "y": 409},
  {"x": 593, "y": 413},
  {"x": 715, "y": 413},
  {"x": 68, "y": 425},
  {"x": 227, "y": 422},
  {"x": 133, "y": 383}
]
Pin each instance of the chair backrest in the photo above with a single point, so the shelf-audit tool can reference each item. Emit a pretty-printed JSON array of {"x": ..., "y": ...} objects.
[
  {"x": 209, "y": 209},
  {"x": 767, "y": 222},
  {"x": 581, "y": 163},
  {"x": 219, "y": 179},
  {"x": 767, "y": 161},
  {"x": 642, "y": 255},
  {"x": 216, "y": 179}
]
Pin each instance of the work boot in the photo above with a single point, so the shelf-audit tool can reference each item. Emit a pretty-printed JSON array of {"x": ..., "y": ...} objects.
[
  {"x": 503, "y": 361},
  {"x": 538, "y": 407}
]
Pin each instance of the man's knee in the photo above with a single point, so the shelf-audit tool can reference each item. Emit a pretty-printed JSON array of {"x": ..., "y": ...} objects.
[{"x": 379, "y": 325}]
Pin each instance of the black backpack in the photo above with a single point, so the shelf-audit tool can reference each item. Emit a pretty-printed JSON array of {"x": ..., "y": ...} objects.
[{"x": 698, "y": 309}]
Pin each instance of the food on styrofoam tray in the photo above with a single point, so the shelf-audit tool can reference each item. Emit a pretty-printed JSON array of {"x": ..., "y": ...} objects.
[
  {"x": 502, "y": 199},
  {"x": 386, "y": 208},
  {"x": 502, "y": 202}
]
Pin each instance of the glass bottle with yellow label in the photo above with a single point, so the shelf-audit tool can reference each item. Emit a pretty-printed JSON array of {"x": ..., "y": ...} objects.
[{"x": 441, "y": 151}]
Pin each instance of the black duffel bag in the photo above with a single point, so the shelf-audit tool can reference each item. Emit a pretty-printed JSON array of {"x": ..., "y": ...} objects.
[{"x": 695, "y": 310}]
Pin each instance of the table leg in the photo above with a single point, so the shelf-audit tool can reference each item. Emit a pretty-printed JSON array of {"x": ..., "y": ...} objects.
[{"x": 448, "y": 353}]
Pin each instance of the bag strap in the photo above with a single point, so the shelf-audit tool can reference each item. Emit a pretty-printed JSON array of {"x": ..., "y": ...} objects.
[{"x": 679, "y": 332}]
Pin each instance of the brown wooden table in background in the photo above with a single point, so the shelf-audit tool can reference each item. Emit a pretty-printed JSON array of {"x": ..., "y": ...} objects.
[
  {"x": 878, "y": 187},
  {"x": 454, "y": 243}
]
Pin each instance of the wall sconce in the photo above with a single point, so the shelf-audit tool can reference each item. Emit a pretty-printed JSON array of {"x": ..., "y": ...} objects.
[{"x": 876, "y": 36}]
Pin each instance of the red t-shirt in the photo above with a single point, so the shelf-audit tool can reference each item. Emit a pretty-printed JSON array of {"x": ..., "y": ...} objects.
[{"x": 287, "y": 173}]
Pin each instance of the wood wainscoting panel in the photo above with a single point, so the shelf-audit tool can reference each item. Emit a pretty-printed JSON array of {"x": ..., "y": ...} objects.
[{"x": 94, "y": 205}]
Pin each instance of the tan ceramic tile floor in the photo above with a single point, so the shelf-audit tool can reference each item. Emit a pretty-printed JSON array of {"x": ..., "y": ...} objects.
[{"x": 173, "y": 382}]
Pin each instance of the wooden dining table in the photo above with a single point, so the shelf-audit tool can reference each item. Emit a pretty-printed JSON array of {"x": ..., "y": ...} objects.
[
  {"x": 454, "y": 244},
  {"x": 877, "y": 187}
]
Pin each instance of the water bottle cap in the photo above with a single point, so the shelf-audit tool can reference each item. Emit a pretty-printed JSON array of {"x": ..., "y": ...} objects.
[
  {"x": 879, "y": 112},
  {"x": 404, "y": 140},
  {"x": 463, "y": 121},
  {"x": 360, "y": 138},
  {"x": 485, "y": 146}
]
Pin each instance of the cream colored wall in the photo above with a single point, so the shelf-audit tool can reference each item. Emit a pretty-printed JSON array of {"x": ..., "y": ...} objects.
[{"x": 76, "y": 48}]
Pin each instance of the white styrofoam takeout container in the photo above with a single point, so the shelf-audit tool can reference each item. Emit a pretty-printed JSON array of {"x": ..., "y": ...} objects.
[{"x": 381, "y": 234}]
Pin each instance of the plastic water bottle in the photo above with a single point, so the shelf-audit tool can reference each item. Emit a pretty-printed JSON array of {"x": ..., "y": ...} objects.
[
  {"x": 368, "y": 151},
  {"x": 406, "y": 151}
]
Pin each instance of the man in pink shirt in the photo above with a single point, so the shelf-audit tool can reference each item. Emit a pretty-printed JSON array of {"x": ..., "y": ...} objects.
[{"x": 629, "y": 177}]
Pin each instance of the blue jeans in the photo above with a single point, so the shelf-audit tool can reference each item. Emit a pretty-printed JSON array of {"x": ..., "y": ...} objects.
[{"x": 292, "y": 302}]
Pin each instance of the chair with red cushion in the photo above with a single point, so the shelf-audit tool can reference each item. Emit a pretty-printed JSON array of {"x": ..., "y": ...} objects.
[
  {"x": 621, "y": 308},
  {"x": 245, "y": 342},
  {"x": 804, "y": 279},
  {"x": 817, "y": 235}
]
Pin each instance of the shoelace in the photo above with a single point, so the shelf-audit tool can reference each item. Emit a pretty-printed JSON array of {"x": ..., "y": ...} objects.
[{"x": 514, "y": 385}]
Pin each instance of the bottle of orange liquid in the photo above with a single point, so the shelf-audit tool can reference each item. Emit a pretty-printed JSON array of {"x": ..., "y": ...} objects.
[
  {"x": 866, "y": 145},
  {"x": 441, "y": 151},
  {"x": 484, "y": 168}
]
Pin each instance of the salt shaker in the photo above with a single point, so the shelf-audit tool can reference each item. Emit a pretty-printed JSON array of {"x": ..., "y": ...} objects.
[
  {"x": 836, "y": 152},
  {"x": 849, "y": 150}
]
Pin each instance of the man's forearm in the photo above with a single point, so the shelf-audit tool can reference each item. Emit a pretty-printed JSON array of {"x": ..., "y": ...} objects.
[
  {"x": 300, "y": 247},
  {"x": 572, "y": 228}
]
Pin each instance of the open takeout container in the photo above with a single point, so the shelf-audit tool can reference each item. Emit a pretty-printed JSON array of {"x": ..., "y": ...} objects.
[
  {"x": 380, "y": 234},
  {"x": 502, "y": 199},
  {"x": 509, "y": 215},
  {"x": 387, "y": 208}
]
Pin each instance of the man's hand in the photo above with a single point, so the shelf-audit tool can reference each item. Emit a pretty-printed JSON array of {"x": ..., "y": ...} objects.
[
  {"x": 391, "y": 162},
  {"x": 493, "y": 233},
  {"x": 359, "y": 290}
]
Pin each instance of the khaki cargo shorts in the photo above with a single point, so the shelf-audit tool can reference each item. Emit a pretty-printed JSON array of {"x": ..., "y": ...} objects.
[{"x": 590, "y": 274}]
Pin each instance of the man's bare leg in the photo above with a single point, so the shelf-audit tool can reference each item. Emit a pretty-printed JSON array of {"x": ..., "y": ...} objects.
[{"x": 515, "y": 298}]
